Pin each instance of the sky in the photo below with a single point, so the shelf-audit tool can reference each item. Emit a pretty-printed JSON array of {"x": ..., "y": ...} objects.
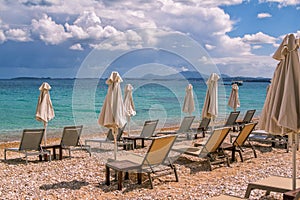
[{"x": 56, "y": 38}]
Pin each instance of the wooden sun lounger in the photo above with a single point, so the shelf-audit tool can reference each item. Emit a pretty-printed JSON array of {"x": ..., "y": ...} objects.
[{"x": 272, "y": 184}]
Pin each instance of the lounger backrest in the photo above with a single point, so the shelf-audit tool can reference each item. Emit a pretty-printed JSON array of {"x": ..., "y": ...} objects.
[
  {"x": 186, "y": 124},
  {"x": 149, "y": 128},
  {"x": 31, "y": 139},
  {"x": 110, "y": 136},
  {"x": 244, "y": 134},
  {"x": 232, "y": 118},
  {"x": 71, "y": 135},
  {"x": 248, "y": 116},
  {"x": 159, "y": 150},
  {"x": 215, "y": 140},
  {"x": 204, "y": 123}
]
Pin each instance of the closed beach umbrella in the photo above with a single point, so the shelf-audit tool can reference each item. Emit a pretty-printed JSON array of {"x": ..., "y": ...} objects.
[
  {"x": 112, "y": 114},
  {"x": 44, "y": 108},
  {"x": 210, "y": 106},
  {"x": 189, "y": 104},
  {"x": 129, "y": 104},
  {"x": 234, "y": 101},
  {"x": 282, "y": 114}
]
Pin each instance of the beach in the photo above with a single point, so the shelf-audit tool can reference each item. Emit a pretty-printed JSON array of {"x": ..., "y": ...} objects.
[{"x": 83, "y": 177}]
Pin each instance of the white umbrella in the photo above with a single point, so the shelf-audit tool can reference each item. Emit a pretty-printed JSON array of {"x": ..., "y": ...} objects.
[
  {"x": 128, "y": 104},
  {"x": 234, "y": 101},
  {"x": 112, "y": 114},
  {"x": 188, "y": 104},
  {"x": 282, "y": 109},
  {"x": 210, "y": 106},
  {"x": 44, "y": 108}
]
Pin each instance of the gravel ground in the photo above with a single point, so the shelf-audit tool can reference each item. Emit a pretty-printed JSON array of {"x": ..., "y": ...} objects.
[{"x": 82, "y": 176}]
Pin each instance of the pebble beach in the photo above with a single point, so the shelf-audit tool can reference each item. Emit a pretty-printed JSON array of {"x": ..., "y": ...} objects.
[{"x": 83, "y": 177}]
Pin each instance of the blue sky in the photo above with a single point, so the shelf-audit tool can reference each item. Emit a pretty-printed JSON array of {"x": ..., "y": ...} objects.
[{"x": 53, "y": 38}]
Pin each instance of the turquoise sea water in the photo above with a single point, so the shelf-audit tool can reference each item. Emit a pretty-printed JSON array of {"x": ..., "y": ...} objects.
[{"x": 79, "y": 101}]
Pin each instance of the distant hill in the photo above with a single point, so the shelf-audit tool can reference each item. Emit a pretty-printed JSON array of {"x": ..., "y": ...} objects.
[{"x": 197, "y": 75}]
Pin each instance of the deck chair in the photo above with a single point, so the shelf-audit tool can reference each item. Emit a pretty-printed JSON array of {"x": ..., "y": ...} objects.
[
  {"x": 247, "y": 118},
  {"x": 272, "y": 184},
  {"x": 203, "y": 127},
  {"x": 239, "y": 143},
  {"x": 148, "y": 131},
  {"x": 231, "y": 120},
  {"x": 210, "y": 150},
  {"x": 185, "y": 127},
  {"x": 71, "y": 139},
  {"x": 109, "y": 138},
  {"x": 153, "y": 162},
  {"x": 30, "y": 144}
]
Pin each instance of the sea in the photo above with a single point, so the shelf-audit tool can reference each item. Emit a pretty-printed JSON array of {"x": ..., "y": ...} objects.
[{"x": 79, "y": 102}]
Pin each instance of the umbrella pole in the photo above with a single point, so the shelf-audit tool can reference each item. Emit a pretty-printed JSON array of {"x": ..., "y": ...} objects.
[
  {"x": 45, "y": 134},
  {"x": 115, "y": 143},
  {"x": 294, "y": 149},
  {"x": 128, "y": 121}
]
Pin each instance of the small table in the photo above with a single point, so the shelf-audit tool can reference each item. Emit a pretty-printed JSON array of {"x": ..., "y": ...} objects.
[
  {"x": 119, "y": 166},
  {"x": 54, "y": 147}
]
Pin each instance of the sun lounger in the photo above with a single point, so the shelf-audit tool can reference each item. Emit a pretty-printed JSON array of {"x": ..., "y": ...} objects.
[
  {"x": 109, "y": 138},
  {"x": 153, "y": 162},
  {"x": 148, "y": 131},
  {"x": 71, "y": 139},
  {"x": 210, "y": 150},
  {"x": 247, "y": 118},
  {"x": 184, "y": 128},
  {"x": 30, "y": 144},
  {"x": 265, "y": 137},
  {"x": 203, "y": 127},
  {"x": 225, "y": 197},
  {"x": 272, "y": 184},
  {"x": 239, "y": 143}
]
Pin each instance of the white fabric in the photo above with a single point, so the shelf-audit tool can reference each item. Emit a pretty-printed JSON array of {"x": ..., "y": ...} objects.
[
  {"x": 282, "y": 105},
  {"x": 210, "y": 106},
  {"x": 128, "y": 101},
  {"x": 234, "y": 101},
  {"x": 44, "y": 108},
  {"x": 189, "y": 104},
  {"x": 112, "y": 114}
]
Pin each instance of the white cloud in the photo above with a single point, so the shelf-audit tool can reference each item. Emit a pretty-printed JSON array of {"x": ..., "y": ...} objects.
[
  {"x": 17, "y": 35},
  {"x": 2, "y": 36},
  {"x": 256, "y": 47},
  {"x": 263, "y": 15},
  {"x": 259, "y": 38},
  {"x": 49, "y": 31},
  {"x": 209, "y": 47},
  {"x": 184, "y": 69},
  {"x": 282, "y": 3},
  {"x": 76, "y": 47}
]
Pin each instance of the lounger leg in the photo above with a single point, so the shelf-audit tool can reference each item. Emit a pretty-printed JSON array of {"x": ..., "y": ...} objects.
[
  {"x": 248, "y": 191},
  {"x": 175, "y": 172},
  {"x": 107, "y": 175},
  {"x": 150, "y": 180},
  {"x": 233, "y": 155},
  {"x": 4, "y": 154},
  {"x": 143, "y": 143},
  {"x": 139, "y": 178}
]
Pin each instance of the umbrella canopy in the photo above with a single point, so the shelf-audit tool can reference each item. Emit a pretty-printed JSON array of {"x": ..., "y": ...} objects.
[
  {"x": 210, "y": 107},
  {"x": 129, "y": 104},
  {"x": 112, "y": 114},
  {"x": 188, "y": 104},
  {"x": 44, "y": 108},
  {"x": 234, "y": 101},
  {"x": 282, "y": 109}
]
